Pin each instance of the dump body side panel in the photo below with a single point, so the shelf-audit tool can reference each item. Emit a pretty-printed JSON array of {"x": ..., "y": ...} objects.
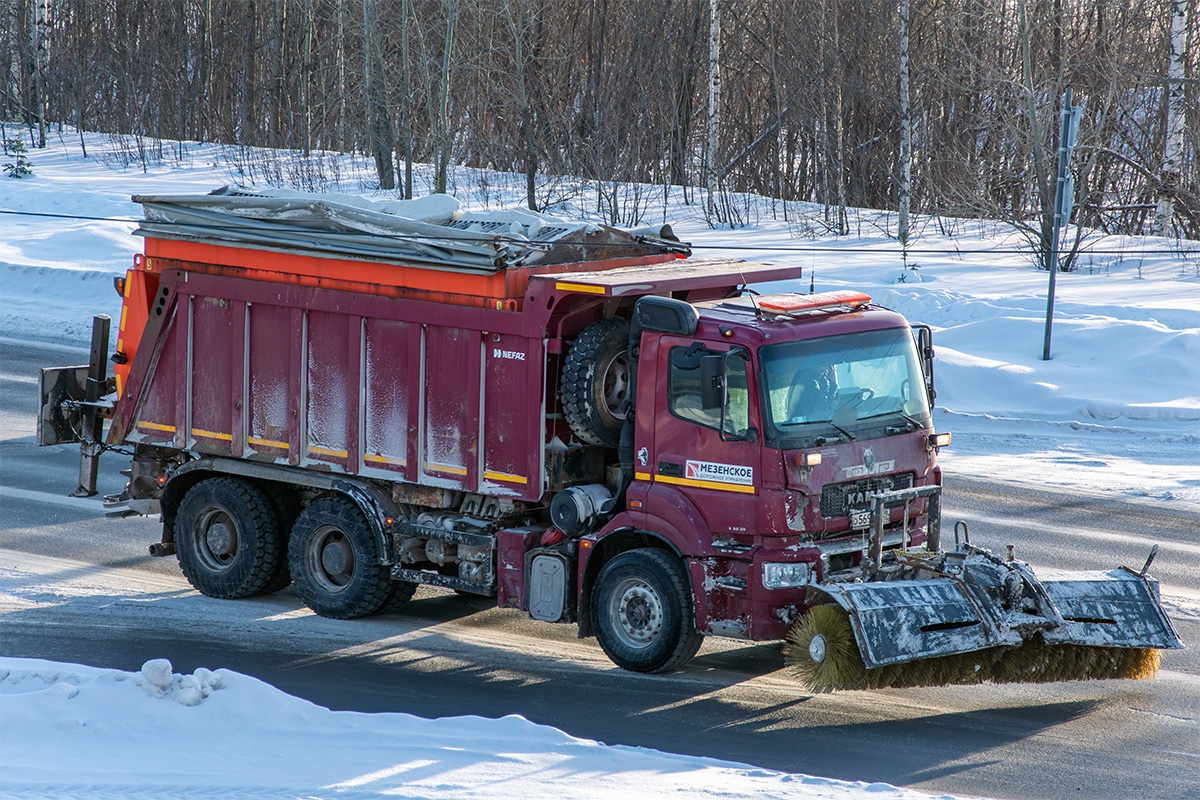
[
  {"x": 390, "y": 360},
  {"x": 396, "y": 389}
]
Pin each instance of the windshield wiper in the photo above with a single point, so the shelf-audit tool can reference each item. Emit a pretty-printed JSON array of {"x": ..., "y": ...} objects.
[
  {"x": 843, "y": 431},
  {"x": 912, "y": 425}
]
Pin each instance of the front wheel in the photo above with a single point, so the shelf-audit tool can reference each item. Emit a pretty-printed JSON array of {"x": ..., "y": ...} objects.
[
  {"x": 642, "y": 612},
  {"x": 335, "y": 562}
]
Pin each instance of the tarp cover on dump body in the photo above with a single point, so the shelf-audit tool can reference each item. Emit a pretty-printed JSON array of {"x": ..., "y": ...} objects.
[{"x": 431, "y": 230}]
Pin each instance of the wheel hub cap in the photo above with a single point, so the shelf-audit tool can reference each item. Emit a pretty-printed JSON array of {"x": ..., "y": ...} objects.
[
  {"x": 335, "y": 558},
  {"x": 616, "y": 385},
  {"x": 219, "y": 539},
  {"x": 640, "y": 615},
  {"x": 816, "y": 649}
]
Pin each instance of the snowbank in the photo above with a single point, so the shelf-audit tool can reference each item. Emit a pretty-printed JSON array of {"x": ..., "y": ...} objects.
[{"x": 79, "y": 732}]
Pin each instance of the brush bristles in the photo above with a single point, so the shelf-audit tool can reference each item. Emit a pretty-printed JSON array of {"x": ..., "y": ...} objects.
[
  {"x": 1033, "y": 662},
  {"x": 842, "y": 667}
]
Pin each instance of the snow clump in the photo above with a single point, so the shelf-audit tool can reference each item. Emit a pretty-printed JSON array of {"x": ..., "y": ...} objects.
[{"x": 158, "y": 680}]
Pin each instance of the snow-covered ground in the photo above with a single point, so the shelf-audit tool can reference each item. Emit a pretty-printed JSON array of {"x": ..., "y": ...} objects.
[
  {"x": 79, "y": 732},
  {"x": 1115, "y": 411}
]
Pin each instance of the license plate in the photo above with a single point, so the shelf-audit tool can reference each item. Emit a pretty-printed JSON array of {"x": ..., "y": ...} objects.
[{"x": 860, "y": 519}]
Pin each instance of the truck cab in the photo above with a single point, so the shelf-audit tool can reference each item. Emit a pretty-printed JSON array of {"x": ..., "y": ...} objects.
[{"x": 762, "y": 427}]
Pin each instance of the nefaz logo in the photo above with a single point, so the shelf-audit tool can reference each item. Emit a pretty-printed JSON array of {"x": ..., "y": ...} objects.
[
  {"x": 515, "y": 355},
  {"x": 720, "y": 473}
]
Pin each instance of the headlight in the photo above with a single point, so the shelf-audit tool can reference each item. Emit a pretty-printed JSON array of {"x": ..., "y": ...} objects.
[{"x": 785, "y": 576}]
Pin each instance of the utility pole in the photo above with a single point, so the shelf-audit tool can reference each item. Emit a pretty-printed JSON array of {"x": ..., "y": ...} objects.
[{"x": 1064, "y": 199}]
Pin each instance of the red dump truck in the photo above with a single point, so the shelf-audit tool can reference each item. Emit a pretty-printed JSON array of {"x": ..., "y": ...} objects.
[{"x": 582, "y": 422}]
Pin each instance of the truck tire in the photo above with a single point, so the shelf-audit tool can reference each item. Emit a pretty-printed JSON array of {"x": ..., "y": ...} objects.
[
  {"x": 286, "y": 505},
  {"x": 595, "y": 381},
  {"x": 398, "y": 597},
  {"x": 227, "y": 538},
  {"x": 335, "y": 563},
  {"x": 642, "y": 612}
]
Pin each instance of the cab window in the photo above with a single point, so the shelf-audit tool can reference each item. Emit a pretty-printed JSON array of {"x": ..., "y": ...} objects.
[{"x": 683, "y": 392}]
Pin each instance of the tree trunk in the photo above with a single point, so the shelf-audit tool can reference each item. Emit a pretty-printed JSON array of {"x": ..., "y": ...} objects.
[
  {"x": 406, "y": 133},
  {"x": 519, "y": 26},
  {"x": 445, "y": 136},
  {"x": 714, "y": 108},
  {"x": 40, "y": 11},
  {"x": 839, "y": 82},
  {"x": 10, "y": 104},
  {"x": 1043, "y": 182},
  {"x": 905, "y": 128},
  {"x": 306, "y": 75},
  {"x": 340, "y": 57},
  {"x": 274, "y": 110},
  {"x": 1168, "y": 182},
  {"x": 379, "y": 128}
]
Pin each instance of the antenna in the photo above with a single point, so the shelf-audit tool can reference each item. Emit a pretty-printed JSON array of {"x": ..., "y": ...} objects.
[{"x": 746, "y": 283}]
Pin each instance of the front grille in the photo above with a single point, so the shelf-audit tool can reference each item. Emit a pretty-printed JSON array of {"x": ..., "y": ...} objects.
[{"x": 839, "y": 499}]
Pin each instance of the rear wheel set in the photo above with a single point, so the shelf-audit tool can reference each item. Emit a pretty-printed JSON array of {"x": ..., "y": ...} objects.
[
  {"x": 228, "y": 539},
  {"x": 232, "y": 540},
  {"x": 335, "y": 563}
]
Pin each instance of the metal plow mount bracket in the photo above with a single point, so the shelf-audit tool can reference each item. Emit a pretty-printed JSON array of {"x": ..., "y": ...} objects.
[{"x": 983, "y": 606}]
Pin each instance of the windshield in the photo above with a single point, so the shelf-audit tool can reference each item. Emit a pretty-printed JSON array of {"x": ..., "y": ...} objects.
[{"x": 832, "y": 386}]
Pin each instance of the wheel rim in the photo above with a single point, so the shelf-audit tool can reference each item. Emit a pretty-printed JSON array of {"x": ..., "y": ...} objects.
[
  {"x": 330, "y": 558},
  {"x": 217, "y": 539},
  {"x": 616, "y": 384},
  {"x": 638, "y": 612}
]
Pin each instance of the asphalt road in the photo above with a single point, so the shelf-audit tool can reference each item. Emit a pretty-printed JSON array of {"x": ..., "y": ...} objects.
[{"x": 444, "y": 655}]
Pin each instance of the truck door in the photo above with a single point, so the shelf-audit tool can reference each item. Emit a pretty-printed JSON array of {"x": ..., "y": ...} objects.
[{"x": 717, "y": 469}]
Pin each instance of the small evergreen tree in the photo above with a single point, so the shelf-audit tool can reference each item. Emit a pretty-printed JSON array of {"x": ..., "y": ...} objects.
[{"x": 20, "y": 166}]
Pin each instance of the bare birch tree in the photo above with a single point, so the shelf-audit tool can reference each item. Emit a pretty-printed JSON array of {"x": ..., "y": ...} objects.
[
  {"x": 905, "y": 190},
  {"x": 40, "y": 9},
  {"x": 713, "y": 125},
  {"x": 1169, "y": 177},
  {"x": 406, "y": 125}
]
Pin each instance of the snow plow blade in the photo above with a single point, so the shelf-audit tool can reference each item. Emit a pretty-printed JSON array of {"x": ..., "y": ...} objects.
[{"x": 970, "y": 617}]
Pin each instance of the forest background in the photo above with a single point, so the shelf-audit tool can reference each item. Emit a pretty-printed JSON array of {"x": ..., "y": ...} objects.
[{"x": 950, "y": 106}]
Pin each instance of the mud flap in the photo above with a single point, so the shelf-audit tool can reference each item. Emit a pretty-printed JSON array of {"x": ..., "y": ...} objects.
[
  {"x": 1119, "y": 608},
  {"x": 906, "y": 620}
]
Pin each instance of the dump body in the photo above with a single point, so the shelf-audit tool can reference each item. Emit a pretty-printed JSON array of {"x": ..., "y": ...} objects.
[{"x": 432, "y": 394}]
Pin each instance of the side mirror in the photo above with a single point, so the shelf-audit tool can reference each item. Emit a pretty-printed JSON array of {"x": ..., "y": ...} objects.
[
  {"x": 665, "y": 315},
  {"x": 925, "y": 352},
  {"x": 712, "y": 381}
]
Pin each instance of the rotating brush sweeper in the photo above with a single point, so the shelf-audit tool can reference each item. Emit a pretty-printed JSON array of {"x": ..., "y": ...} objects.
[{"x": 968, "y": 616}]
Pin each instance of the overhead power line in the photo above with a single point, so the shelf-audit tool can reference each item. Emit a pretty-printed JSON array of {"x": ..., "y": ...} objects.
[{"x": 1190, "y": 249}]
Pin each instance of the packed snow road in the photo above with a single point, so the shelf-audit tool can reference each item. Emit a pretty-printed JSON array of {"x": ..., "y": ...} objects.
[{"x": 74, "y": 587}]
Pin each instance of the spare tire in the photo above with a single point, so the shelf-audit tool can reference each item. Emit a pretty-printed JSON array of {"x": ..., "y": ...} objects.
[{"x": 596, "y": 381}]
